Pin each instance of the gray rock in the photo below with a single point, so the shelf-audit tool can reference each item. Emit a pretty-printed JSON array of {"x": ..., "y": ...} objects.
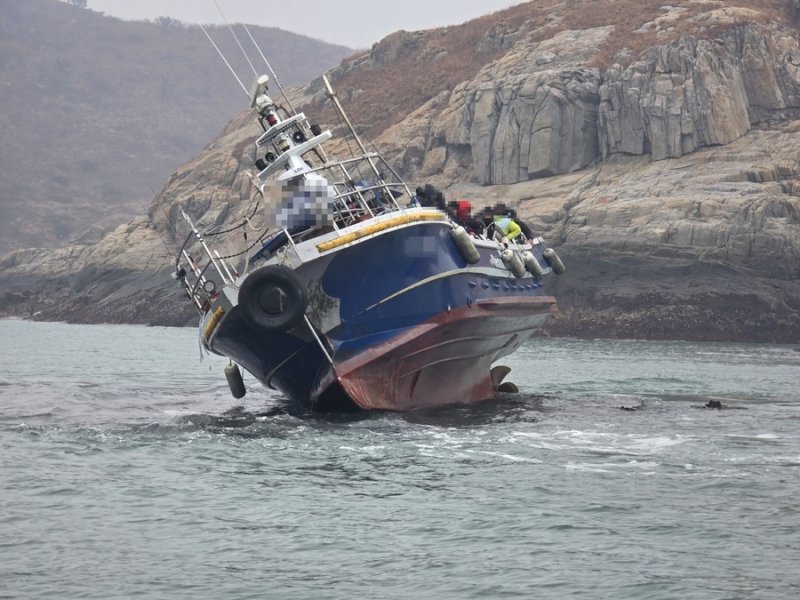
[
  {"x": 670, "y": 187},
  {"x": 539, "y": 111}
]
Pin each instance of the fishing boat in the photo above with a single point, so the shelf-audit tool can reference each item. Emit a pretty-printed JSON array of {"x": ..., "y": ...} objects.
[{"x": 359, "y": 293}]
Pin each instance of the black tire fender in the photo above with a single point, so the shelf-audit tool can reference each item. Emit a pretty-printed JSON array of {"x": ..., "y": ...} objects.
[{"x": 272, "y": 298}]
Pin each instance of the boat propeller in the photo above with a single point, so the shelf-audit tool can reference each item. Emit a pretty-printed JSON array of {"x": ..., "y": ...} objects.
[{"x": 499, "y": 373}]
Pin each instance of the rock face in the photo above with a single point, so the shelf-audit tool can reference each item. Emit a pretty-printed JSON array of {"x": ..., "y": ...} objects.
[
  {"x": 706, "y": 246},
  {"x": 693, "y": 94},
  {"x": 532, "y": 114},
  {"x": 668, "y": 182},
  {"x": 126, "y": 276},
  {"x": 542, "y": 112}
]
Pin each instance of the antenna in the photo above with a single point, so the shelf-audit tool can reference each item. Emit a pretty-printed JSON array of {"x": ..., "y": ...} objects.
[
  {"x": 269, "y": 66},
  {"x": 166, "y": 216},
  {"x": 335, "y": 99},
  {"x": 230, "y": 68},
  {"x": 247, "y": 58},
  {"x": 158, "y": 233}
]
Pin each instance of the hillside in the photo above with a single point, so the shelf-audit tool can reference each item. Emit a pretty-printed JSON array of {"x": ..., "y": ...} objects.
[
  {"x": 96, "y": 111},
  {"x": 654, "y": 145},
  {"x": 386, "y": 83}
]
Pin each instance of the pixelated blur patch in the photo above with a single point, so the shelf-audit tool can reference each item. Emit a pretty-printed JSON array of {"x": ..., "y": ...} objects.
[
  {"x": 300, "y": 203},
  {"x": 419, "y": 246}
]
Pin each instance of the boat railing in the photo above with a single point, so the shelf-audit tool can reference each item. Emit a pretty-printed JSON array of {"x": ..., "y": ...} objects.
[
  {"x": 292, "y": 147},
  {"x": 201, "y": 278},
  {"x": 361, "y": 190},
  {"x": 203, "y": 272}
]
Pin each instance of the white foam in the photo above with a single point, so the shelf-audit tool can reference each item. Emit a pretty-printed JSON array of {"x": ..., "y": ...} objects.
[
  {"x": 585, "y": 467},
  {"x": 510, "y": 457},
  {"x": 600, "y": 442}
]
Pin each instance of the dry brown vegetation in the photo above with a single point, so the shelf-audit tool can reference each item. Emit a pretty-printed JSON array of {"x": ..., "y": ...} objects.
[
  {"x": 629, "y": 16},
  {"x": 445, "y": 57},
  {"x": 96, "y": 110}
]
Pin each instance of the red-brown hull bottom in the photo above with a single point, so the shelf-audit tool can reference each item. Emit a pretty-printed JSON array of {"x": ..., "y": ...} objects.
[{"x": 446, "y": 360}]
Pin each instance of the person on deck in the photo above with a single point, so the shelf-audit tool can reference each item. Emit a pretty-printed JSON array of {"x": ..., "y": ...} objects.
[
  {"x": 527, "y": 234},
  {"x": 430, "y": 196},
  {"x": 526, "y": 230},
  {"x": 487, "y": 219},
  {"x": 461, "y": 212},
  {"x": 508, "y": 228}
]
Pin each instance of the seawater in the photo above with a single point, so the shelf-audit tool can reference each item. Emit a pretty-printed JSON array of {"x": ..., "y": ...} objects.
[{"x": 128, "y": 471}]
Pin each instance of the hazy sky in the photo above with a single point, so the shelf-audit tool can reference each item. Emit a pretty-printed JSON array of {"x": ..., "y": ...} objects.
[{"x": 354, "y": 23}]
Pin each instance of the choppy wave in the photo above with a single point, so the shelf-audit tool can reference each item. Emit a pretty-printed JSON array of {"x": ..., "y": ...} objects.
[{"x": 606, "y": 476}]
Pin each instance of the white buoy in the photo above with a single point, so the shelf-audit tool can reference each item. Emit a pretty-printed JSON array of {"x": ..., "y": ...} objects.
[
  {"x": 513, "y": 262},
  {"x": 235, "y": 382},
  {"x": 554, "y": 261},
  {"x": 532, "y": 264},
  {"x": 465, "y": 244}
]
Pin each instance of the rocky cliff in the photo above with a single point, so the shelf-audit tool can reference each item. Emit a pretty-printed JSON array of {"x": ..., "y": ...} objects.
[
  {"x": 540, "y": 110},
  {"x": 667, "y": 173}
]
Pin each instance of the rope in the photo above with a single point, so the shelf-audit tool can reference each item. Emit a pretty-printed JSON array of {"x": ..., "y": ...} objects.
[
  {"x": 246, "y": 250},
  {"x": 247, "y": 218},
  {"x": 235, "y": 227},
  {"x": 222, "y": 56},
  {"x": 269, "y": 66},
  {"x": 247, "y": 58}
]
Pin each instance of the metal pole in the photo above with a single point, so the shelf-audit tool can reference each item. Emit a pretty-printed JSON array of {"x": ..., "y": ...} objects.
[
  {"x": 341, "y": 112},
  {"x": 319, "y": 341}
]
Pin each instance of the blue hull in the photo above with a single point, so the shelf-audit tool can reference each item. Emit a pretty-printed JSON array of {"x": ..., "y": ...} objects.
[{"x": 413, "y": 325}]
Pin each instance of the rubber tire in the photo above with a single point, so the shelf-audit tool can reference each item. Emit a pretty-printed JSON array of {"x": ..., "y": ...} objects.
[{"x": 262, "y": 281}]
